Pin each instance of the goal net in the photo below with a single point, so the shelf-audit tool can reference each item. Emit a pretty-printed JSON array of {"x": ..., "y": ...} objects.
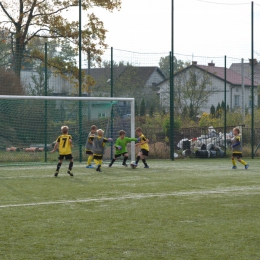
[{"x": 31, "y": 124}]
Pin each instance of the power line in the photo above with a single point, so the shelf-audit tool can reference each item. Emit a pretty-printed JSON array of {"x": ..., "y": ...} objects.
[{"x": 209, "y": 2}]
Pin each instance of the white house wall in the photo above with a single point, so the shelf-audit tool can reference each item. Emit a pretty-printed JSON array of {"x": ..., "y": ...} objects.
[
  {"x": 237, "y": 91},
  {"x": 155, "y": 78},
  {"x": 218, "y": 96},
  {"x": 215, "y": 98},
  {"x": 164, "y": 94},
  {"x": 57, "y": 84}
]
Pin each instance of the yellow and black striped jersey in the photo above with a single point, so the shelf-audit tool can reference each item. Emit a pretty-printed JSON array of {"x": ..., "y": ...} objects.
[
  {"x": 145, "y": 145},
  {"x": 64, "y": 144},
  {"x": 236, "y": 144}
]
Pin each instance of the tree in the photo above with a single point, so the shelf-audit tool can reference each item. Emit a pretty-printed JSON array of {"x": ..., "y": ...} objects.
[
  {"x": 178, "y": 65},
  {"x": 10, "y": 110},
  {"x": 185, "y": 112},
  {"x": 44, "y": 19},
  {"x": 55, "y": 49},
  {"x": 213, "y": 111},
  {"x": 166, "y": 125},
  {"x": 151, "y": 111},
  {"x": 218, "y": 111},
  {"x": 136, "y": 109},
  {"x": 218, "y": 106},
  {"x": 193, "y": 88},
  {"x": 223, "y": 105},
  {"x": 5, "y": 48},
  {"x": 142, "y": 108},
  {"x": 38, "y": 88},
  {"x": 192, "y": 114},
  {"x": 9, "y": 83}
]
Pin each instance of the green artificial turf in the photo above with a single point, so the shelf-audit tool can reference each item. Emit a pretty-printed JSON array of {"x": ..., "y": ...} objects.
[{"x": 182, "y": 209}]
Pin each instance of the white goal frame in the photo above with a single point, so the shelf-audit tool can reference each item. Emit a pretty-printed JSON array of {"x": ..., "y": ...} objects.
[{"x": 131, "y": 100}]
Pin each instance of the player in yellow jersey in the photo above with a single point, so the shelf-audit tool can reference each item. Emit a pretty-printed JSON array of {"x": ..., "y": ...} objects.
[
  {"x": 89, "y": 146},
  {"x": 237, "y": 149},
  {"x": 144, "y": 152},
  {"x": 99, "y": 142},
  {"x": 64, "y": 142}
]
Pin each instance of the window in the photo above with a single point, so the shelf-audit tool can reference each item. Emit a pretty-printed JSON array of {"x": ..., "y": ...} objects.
[
  {"x": 102, "y": 115},
  {"x": 237, "y": 101}
]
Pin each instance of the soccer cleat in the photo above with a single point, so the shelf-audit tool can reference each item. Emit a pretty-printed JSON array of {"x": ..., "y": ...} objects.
[
  {"x": 56, "y": 174},
  {"x": 90, "y": 166},
  {"x": 246, "y": 166},
  {"x": 234, "y": 167},
  {"x": 146, "y": 166},
  {"x": 98, "y": 168},
  {"x": 70, "y": 173},
  {"x": 110, "y": 165},
  {"x": 124, "y": 164}
]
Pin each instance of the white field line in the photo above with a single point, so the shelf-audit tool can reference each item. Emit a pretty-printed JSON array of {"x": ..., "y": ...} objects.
[
  {"x": 53, "y": 166},
  {"x": 42, "y": 176},
  {"x": 237, "y": 190}
]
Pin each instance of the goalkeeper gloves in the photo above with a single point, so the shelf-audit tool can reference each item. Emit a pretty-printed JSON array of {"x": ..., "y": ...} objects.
[{"x": 119, "y": 147}]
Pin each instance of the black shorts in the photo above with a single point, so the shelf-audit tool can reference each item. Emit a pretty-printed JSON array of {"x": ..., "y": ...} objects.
[
  {"x": 89, "y": 152},
  {"x": 67, "y": 157},
  {"x": 144, "y": 152},
  {"x": 238, "y": 155},
  {"x": 118, "y": 155}
]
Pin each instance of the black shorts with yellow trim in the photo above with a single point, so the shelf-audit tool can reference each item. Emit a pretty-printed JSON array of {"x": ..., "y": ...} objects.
[
  {"x": 237, "y": 155},
  {"x": 97, "y": 156},
  {"x": 89, "y": 152},
  {"x": 144, "y": 152}
]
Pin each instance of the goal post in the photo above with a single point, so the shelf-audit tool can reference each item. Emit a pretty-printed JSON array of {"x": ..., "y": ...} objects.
[{"x": 31, "y": 124}]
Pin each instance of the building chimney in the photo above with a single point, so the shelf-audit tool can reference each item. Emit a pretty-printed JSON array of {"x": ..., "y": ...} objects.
[
  {"x": 211, "y": 64},
  {"x": 194, "y": 63},
  {"x": 254, "y": 60}
]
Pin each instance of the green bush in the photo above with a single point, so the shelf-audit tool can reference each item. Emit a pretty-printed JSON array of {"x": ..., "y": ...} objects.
[{"x": 166, "y": 125}]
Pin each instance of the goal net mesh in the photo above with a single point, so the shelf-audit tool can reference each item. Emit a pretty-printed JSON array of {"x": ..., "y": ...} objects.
[{"x": 31, "y": 126}]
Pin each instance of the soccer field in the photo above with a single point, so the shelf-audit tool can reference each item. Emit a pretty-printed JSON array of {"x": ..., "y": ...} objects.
[{"x": 185, "y": 209}]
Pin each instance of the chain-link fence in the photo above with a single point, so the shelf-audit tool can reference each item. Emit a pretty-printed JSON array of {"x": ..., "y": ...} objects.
[{"x": 209, "y": 92}]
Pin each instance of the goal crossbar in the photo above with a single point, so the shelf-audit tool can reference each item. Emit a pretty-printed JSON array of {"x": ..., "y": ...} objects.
[{"x": 67, "y": 98}]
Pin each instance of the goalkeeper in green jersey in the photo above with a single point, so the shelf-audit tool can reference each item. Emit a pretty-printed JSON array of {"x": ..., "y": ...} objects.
[{"x": 120, "y": 145}]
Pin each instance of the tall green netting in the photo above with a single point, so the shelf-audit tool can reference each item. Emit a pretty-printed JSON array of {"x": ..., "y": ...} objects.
[{"x": 31, "y": 126}]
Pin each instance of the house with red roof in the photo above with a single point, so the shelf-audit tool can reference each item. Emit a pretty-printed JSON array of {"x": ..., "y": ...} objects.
[
  {"x": 246, "y": 69},
  {"x": 204, "y": 86}
]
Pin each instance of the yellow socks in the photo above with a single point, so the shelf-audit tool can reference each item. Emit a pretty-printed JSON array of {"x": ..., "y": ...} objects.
[
  {"x": 98, "y": 161},
  {"x": 243, "y": 162},
  {"x": 89, "y": 159},
  {"x": 233, "y": 162}
]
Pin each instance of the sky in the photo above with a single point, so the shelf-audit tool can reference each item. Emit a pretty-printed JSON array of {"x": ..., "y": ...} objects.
[{"x": 204, "y": 31}]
